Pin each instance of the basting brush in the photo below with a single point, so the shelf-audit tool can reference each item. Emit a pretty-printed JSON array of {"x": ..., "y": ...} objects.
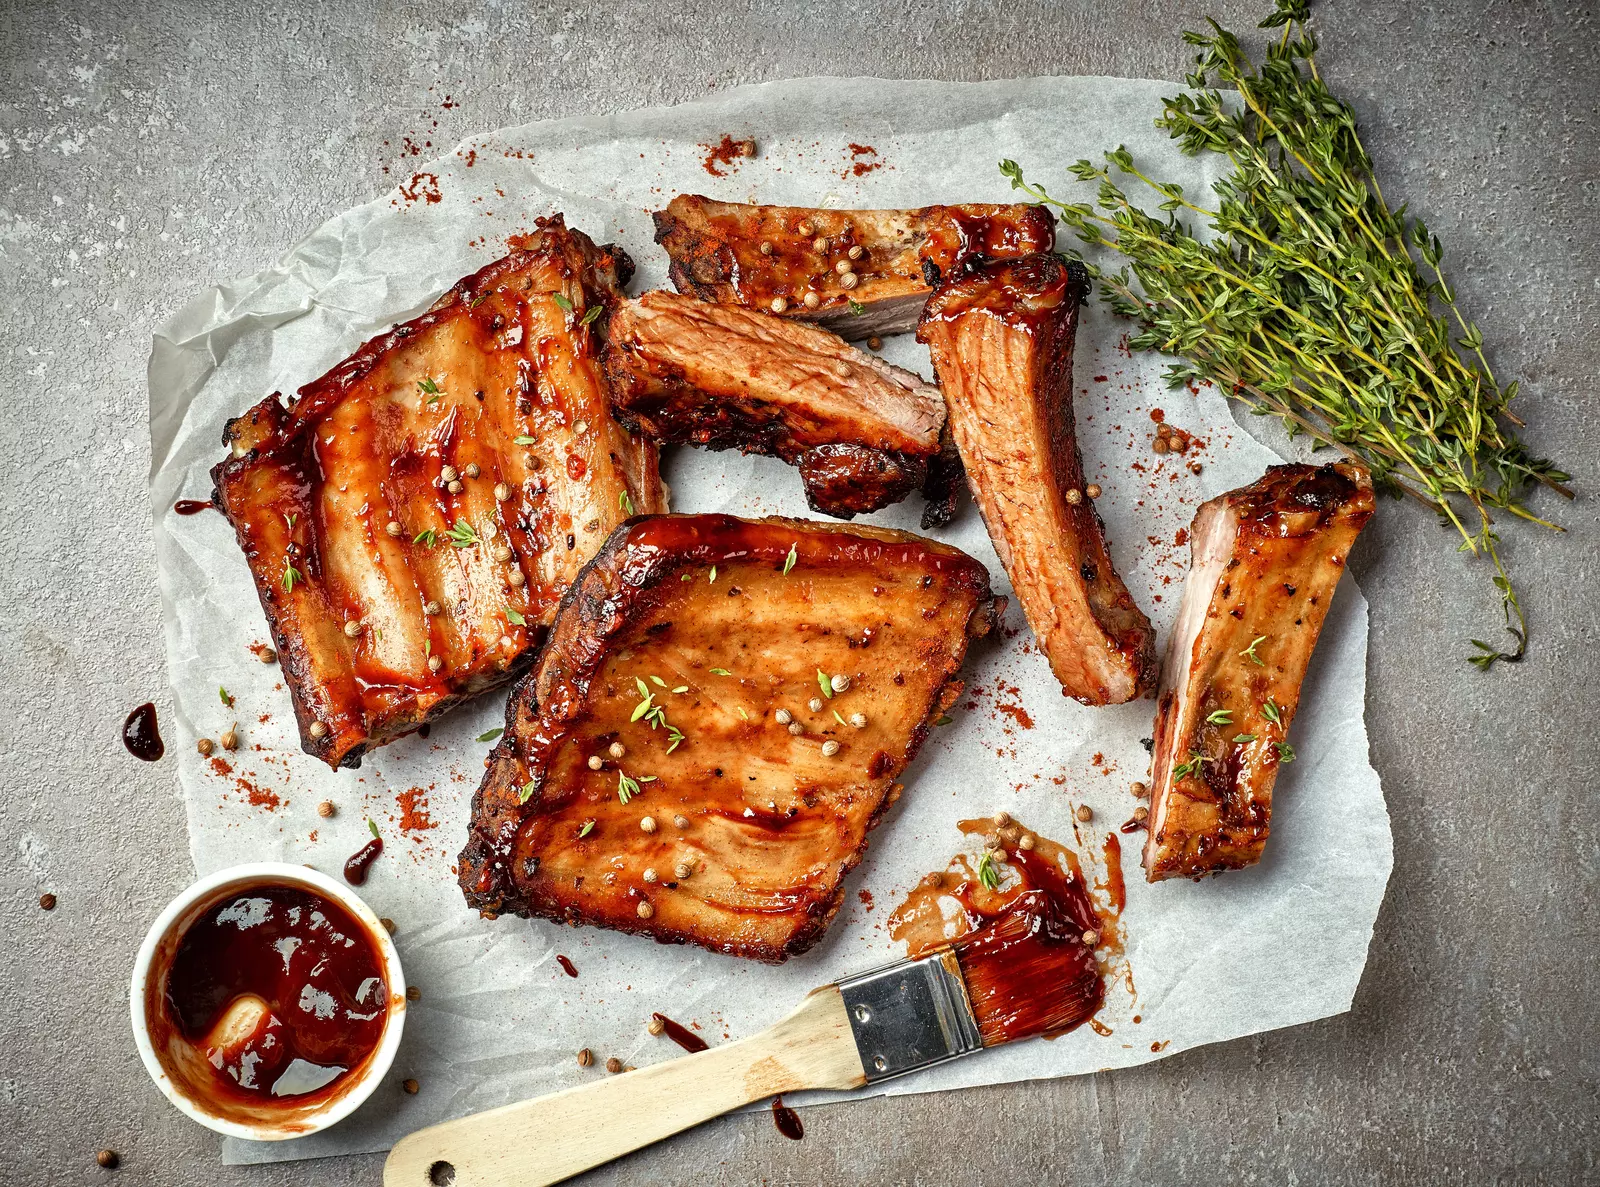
[{"x": 1028, "y": 972}]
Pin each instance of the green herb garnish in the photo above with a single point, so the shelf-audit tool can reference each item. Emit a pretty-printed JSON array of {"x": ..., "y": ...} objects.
[
  {"x": 524, "y": 439},
  {"x": 432, "y": 390},
  {"x": 1272, "y": 713},
  {"x": 462, "y": 535},
  {"x": 713, "y": 574},
  {"x": 515, "y": 617},
  {"x": 291, "y": 575},
  {"x": 1299, "y": 292},
  {"x": 373, "y": 827},
  {"x": 721, "y": 672},
  {"x": 588, "y": 827},
  {"x": 625, "y": 502},
  {"x": 590, "y": 314},
  {"x": 1244, "y": 737},
  {"x": 526, "y": 790},
  {"x": 1220, "y": 717},
  {"x": 564, "y": 301},
  {"x": 1188, "y": 769},
  {"x": 427, "y": 538},
  {"x": 988, "y": 876},
  {"x": 1285, "y": 752},
  {"x": 1249, "y": 652},
  {"x": 793, "y": 556},
  {"x": 491, "y": 735},
  {"x": 825, "y": 684},
  {"x": 626, "y": 788},
  {"x": 857, "y": 308},
  {"x": 225, "y": 696}
]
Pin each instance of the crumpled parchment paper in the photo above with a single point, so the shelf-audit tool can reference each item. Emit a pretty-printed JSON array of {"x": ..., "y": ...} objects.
[{"x": 498, "y": 1020}]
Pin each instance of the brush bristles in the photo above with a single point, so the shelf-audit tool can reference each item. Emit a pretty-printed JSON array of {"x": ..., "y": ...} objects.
[{"x": 1029, "y": 972}]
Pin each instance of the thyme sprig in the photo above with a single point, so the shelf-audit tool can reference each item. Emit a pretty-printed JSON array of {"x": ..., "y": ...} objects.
[{"x": 1304, "y": 299}]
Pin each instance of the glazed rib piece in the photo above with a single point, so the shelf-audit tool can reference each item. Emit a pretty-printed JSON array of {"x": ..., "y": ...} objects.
[
  {"x": 1001, "y": 334},
  {"x": 862, "y": 433},
  {"x": 661, "y": 771},
  {"x": 716, "y": 250},
  {"x": 395, "y": 587},
  {"x": 1264, "y": 561}
]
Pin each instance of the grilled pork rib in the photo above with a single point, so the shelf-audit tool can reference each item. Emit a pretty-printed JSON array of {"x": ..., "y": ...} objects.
[
  {"x": 395, "y": 587},
  {"x": 862, "y": 433},
  {"x": 717, "y": 251},
  {"x": 1264, "y": 563},
  {"x": 662, "y": 772},
  {"x": 1001, "y": 334}
]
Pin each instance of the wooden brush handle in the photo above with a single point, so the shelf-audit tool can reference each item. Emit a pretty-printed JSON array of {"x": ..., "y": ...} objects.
[{"x": 549, "y": 1139}]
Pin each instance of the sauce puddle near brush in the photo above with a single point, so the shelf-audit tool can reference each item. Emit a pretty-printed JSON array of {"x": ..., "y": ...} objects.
[
  {"x": 267, "y": 1001},
  {"x": 1021, "y": 910}
]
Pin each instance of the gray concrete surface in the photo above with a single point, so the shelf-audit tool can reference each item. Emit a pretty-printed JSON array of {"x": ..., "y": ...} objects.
[{"x": 150, "y": 148}]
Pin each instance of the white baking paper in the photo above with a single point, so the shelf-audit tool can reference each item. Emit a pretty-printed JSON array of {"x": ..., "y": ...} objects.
[{"x": 498, "y": 1020}]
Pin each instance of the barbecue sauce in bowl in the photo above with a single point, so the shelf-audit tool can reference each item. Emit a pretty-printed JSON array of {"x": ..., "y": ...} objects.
[{"x": 274, "y": 1001}]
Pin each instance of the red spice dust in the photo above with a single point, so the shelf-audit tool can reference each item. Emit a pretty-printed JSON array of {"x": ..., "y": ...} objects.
[
  {"x": 1017, "y": 714},
  {"x": 259, "y": 650},
  {"x": 1101, "y": 378},
  {"x": 1157, "y": 415},
  {"x": 424, "y": 186},
  {"x": 725, "y": 152},
  {"x": 860, "y": 168},
  {"x": 413, "y": 804},
  {"x": 576, "y": 467},
  {"x": 259, "y": 797},
  {"x": 865, "y": 896},
  {"x": 1182, "y": 537},
  {"x": 221, "y": 766}
]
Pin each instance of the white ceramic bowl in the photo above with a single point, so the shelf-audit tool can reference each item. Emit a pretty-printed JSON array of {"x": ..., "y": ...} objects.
[{"x": 155, "y": 956}]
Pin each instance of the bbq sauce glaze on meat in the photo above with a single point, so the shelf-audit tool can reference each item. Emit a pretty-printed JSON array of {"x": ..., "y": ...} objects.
[
  {"x": 1265, "y": 560},
  {"x": 1001, "y": 335},
  {"x": 717, "y": 255},
  {"x": 678, "y": 678},
  {"x": 380, "y": 628},
  {"x": 862, "y": 433}
]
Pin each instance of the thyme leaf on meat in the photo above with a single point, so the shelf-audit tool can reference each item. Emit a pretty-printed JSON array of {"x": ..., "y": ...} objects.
[
  {"x": 588, "y": 827},
  {"x": 1286, "y": 752},
  {"x": 1189, "y": 769},
  {"x": 515, "y": 617},
  {"x": 462, "y": 535},
  {"x": 427, "y": 538},
  {"x": 431, "y": 390},
  {"x": 1272, "y": 712},
  {"x": 1302, "y": 294},
  {"x": 590, "y": 314},
  {"x": 824, "y": 683},
  {"x": 1220, "y": 717},
  {"x": 988, "y": 876},
  {"x": 794, "y": 555},
  {"x": 526, "y": 791},
  {"x": 1249, "y": 652},
  {"x": 626, "y": 788},
  {"x": 290, "y": 576},
  {"x": 524, "y": 439},
  {"x": 624, "y": 502},
  {"x": 564, "y": 301}
]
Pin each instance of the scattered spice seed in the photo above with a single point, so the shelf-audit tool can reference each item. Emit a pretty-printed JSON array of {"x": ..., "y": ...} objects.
[
  {"x": 1141, "y": 813},
  {"x": 648, "y": 824},
  {"x": 682, "y": 870},
  {"x": 1139, "y": 791},
  {"x": 1002, "y": 819},
  {"x": 472, "y": 470},
  {"x": 820, "y": 243},
  {"x": 747, "y": 148},
  {"x": 318, "y": 730},
  {"x": 680, "y": 821},
  {"x": 585, "y": 1058},
  {"x": 1025, "y": 841},
  {"x": 815, "y": 704},
  {"x": 616, "y": 750},
  {"x": 448, "y": 474},
  {"x": 614, "y": 1065},
  {"x": 1091, "y": 938},
  {"x": 352, "y": 628},
  {"x": 47, "y": 902},
  {"x": 812, "y": 299},
  {"x": 268, "y": 656},
  {"x": 830, "y": 748},
  {"x": 650, "y": 874},
  {"x": 842, "y": 267},
  {"x": 430, "y": 608},
  {"x": 856, "y": 251},
  {"x": 413, "y": 993},
  {"x": 108, "y": 1159},
  {"x": 596, "y": 762},
  {"x": 1159, "y": 445},
  {"x": 1195, "y": 467},
  {"x": 1092, "y": 490},
  {"x": 1074, "y": 496},
  {"x": 934, "y": 879},
  {"x": 1163, "y": 430},
  {"x": 779, "y": 304},
  {"x": 840, "y": 683},
  {"x": 454, "y": 486},
  {"x": 502, "y": 492},
  {"x": 502, "y": 551},
  {"x": 326, "y": 808},
  {"x": 766, "y": 249},
  {"x": 411, "y": 1087},
  {"x": 517, "y": 578},
  {"x": 205, "y": 746},
  {"x": 859, "y": 720},
  {"x": 874, "y": 343},
  {"x": 388, "y": 924},
  {"x": 656, "y": 1027},
  {"x": 1084, "y": 813},
  {"x": 645, "y": 910},
  {"x": 849, "y": 280},
  {"x": 783, "y": 717},
  {"x": 796, "y": 728},
  {"x": 435, "y": 663},
  {"x": 804, "y": 227},
  {"x": 230, "y": 737}
]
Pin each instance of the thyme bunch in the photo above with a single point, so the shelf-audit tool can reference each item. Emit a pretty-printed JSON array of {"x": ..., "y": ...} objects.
[{"x": 1308, "y": 298}]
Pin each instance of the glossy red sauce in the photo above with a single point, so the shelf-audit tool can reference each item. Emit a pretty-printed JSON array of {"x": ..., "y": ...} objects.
[
  {"x": 567, "y": 966},
  {"x": 319, "y": 980},
  {"x": 681, "y": 1035},
  {"x": 787, "y": 1120},
  {"x": 192, "y": 506},
  {"x": 360, "y": 862},
  {"x": 141, "y": 735}
]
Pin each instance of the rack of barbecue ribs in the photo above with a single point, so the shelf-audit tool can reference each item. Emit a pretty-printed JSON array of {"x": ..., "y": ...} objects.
[
  {"x": 1264, "y": 562},
  {"x": 721, "y": 714},
  {"x": 412, "y": 518},
  {"x": 856, "y": 272},
  {"x": 1001, "y": 335},
  {"x": 862, "y": 433}
]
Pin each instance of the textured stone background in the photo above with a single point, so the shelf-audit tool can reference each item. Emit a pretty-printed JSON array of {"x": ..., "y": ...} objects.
[{"x": 150, "y": 148}]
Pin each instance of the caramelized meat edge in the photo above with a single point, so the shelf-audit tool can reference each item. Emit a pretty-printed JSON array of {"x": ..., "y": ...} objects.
[
  {"x": 412, "y": 517},
  {"x": 662, "y": 770},
  {"x": 772, "y": 257},
  {"x": 1001, "y": 334},
  {"x": 862, "y": 433},
  {"x": 1264, "y": 562}
]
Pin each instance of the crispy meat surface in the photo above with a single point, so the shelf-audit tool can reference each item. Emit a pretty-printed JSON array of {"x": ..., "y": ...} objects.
[
  {"x": 662, "y": 771},
  {"x": 717, "y": 255},
  {"x": 1264, "y": 561},
  {"x": 1001, "y": 334},
  {"x": 395, "y": 578},
  {"x": 862, "y": 433}
]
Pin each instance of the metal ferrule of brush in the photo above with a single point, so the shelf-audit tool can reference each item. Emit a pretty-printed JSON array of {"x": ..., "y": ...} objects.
[{"x": 910, "y": 1015}]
